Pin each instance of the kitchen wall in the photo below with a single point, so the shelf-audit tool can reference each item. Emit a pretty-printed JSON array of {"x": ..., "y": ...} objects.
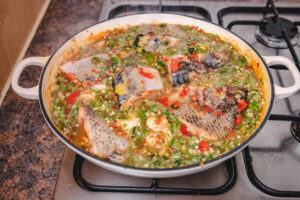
[{"x": 18, "y": 22}]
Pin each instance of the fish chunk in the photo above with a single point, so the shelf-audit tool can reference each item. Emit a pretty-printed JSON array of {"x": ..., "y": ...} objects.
[
  {"x": 101, "y": 140},
  {"x": 86, "y": 70},
  {"x": 136, "y": 83},
  {"x": 209, "y": 112},
  {"x": 154, "y": 43},
  {"x": 182, "y": 69}
]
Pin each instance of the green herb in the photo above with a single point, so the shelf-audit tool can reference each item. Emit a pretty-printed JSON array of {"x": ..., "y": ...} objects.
[
  {"x": 243, "y": 60},
  {"x": 114, "y": 60},
  {"x": 261, "y": 80},
  {"x": 95, "y": 60},
  {"x": 223, "y": 71}
]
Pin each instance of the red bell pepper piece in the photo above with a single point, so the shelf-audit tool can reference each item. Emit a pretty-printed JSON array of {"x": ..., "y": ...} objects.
[
  {"x": 184, "y": 91},
  {"x": 242, "y": 105},
  {"x": 184, "y": 130},
  {"x": 238, "y": 120},
  {"x": 174, "y": 65},
  {"x": 72, "y": 98},
  {"x": 163, "y": 101},
  {"x": 203, "y": 146},
  {"x": 145, "y": 74}
]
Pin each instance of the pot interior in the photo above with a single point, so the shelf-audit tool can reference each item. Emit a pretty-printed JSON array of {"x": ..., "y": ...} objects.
[{"x": 74, "y": 43}]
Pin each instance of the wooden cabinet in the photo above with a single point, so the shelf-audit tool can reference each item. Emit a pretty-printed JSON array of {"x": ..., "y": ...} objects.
[{"x": 18, "y": 21}]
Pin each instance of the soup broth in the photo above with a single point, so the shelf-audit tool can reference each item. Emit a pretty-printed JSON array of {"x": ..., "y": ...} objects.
[{"x": 157, "y": 96}]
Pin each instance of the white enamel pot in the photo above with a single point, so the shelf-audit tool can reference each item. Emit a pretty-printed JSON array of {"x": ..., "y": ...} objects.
[{"x": 51, "y": 64}]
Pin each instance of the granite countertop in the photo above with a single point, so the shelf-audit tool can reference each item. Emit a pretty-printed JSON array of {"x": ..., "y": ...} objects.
[{"x": 30, "y": 154}]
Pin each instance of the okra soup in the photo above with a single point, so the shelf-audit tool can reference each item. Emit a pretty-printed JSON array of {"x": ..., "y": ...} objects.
[{"x": 156, "y": 96}]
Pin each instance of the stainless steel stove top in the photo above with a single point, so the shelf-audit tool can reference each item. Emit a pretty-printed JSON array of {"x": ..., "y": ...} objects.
[{"x": 275, "y": 153}]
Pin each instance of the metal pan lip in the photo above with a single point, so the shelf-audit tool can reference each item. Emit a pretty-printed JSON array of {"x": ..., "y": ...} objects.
[{"x": 120, "y": 166}]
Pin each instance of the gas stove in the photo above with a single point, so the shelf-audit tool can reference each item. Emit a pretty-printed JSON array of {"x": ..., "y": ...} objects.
[{"x": 267, "y": 169}]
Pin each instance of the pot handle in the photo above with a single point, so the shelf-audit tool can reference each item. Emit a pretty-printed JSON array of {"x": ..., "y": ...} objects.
[
  {"x": 29, "y": 93},
  {"x": 283, "y": 92}
]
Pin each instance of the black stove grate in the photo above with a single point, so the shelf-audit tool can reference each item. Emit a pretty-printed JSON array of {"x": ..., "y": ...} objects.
[
  {"x": 193, "y": 11},
  {"x": 154, "y": 187},
  {"x": 251, "y": 172},
  {"x": 269, "y": 9}
]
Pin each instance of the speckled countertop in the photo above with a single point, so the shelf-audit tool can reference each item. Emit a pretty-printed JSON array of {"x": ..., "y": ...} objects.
[{"x": 30, "y": 154}]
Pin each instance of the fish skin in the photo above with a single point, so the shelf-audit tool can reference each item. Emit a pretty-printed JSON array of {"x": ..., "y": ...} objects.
[
  {"x": 154, "y": 43},
  {"x": 101, "y": 140},
  {"x": 190, "y": 67},
  {"x": 130, "y": 86},
  {"x": 83, "y": 70},
  {"x": 208, "y": 124}
]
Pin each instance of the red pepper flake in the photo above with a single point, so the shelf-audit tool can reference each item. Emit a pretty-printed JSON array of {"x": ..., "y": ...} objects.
[
  {"x": 112, "y": 125},
  {"x": 114, "y": 108},
  {"x": 67, "y": 112},
  {"x": 70, "y": 77},
  {"x": 174, "y": 65},
  {"x": 238, "y": 120},
  {"x": 176, "y": 104},
  {"x": 159, "y": 120},
  {"x": 157, "y": 144},
  {"x": 93, "y": 70},
  {"x": 122, "y": 70},
  {"x": 193, "y": 57},
  {"x": 163, "y": 101},
  {"x": 207, "y": 109},
  {"x": 121, "y": 133},
  {"x": 215, "y": 40},
  {"x": 242, "y": 105},
  {"x": 151, "y": 33},
  {"x": 232, "y": 133},
  {"x": 166, "y": 59},
  {"x": 183, "y": 129},
  {"x": 72, "y": 98},
  {"x": 145, "y": 74},
  {"x": 184, "y": 91},
  {"x": 196, "y": 108},
  {"x": 257, "y": 65},
  {"x": 194, "y": 97},
  {"x": 73, "y": 62},
  {"x": 70, "y": 138},
  {"x": 219, "y": 113},
  {"x": 203, "y": 146},
  {"x": 142, "y": 82},
  {"x": 191, "y": 44},
  {"x": 110, "y": 72}
]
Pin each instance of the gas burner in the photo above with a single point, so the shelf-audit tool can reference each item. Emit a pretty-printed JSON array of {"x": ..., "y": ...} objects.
[
  {"x": 295, "y": 129},
  {"x": 270, "y": 34}
]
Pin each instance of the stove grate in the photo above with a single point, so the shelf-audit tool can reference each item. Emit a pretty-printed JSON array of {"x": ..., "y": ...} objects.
[
  {"x": 154, "y": 187},
  {"x": 272, "y": 33},
  {"x": 258, "y": 184},
  {"x": 128, "y": 9},
  {"x": 251, "y": 172}
]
